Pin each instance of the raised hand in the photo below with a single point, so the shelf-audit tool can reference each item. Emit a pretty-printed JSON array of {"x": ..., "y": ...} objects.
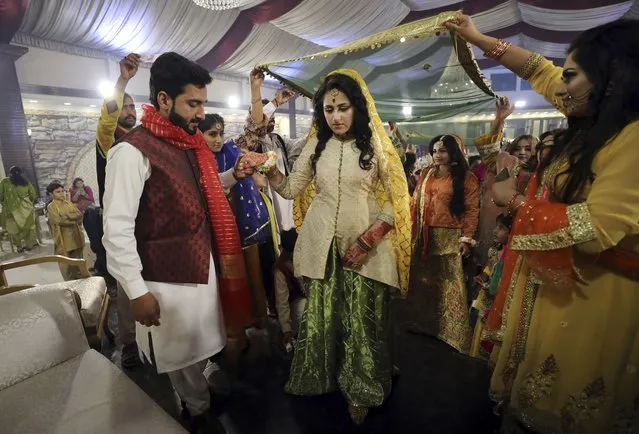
[
  {"x": 504, "y": 108},
  {"x": 256, "y": 78},
  {"x": 129, "y": 66},
  {"x": 283, "y": 96},
  {"x": 465, "y": 28}
]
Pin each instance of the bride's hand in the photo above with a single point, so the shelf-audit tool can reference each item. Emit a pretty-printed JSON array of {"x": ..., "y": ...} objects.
[{"x": 465, "y": 28}]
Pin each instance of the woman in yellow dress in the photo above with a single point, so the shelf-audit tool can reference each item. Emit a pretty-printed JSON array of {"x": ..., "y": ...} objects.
[
  {"x": 18, "y": 214},
  {"x": 569, "y": 296},
  {"x": 353, "y": 247}
]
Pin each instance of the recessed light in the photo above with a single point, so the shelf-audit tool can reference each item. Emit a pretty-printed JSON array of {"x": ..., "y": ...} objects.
[
  {"x": 92, "y": 105},
  {"x": 234, "y": 101},
  {"x": 67, "y": 103},
  {"x": 33, "y": 101},
  {"x": 402, "y": 39},
  {"x": 106, "y": 89}
]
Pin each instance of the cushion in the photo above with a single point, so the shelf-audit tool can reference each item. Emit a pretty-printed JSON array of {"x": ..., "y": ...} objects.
[
  {"x": 92, "y": 291},
  {"x": 86, "y": 394},
  {"x": 39, "y": 328}
]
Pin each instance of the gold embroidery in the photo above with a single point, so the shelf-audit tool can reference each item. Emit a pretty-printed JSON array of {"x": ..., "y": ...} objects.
[
  {"x": 582, "y": 407},
  {"x": 580, "y": 224},
  {"x": 558, "y": 239},
  {"x": 538, "y": 383},
  {"x": 530, "y": 66},
  {"x": 525, "y": 317},
  {"x": 580, "y": 230}
]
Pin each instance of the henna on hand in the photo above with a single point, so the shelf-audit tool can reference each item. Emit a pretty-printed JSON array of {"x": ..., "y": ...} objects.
[{"x": 376, "y": 233}]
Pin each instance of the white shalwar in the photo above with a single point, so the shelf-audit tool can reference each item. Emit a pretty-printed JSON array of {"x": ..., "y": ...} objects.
[{"x": 191, "y": 324}]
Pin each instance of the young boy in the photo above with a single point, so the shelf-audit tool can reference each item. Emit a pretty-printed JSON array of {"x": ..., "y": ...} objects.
[
  {"x": 64, "y": 222},
  {"x": 487, "y": 282},
  {"x": 289, "y": 299}
]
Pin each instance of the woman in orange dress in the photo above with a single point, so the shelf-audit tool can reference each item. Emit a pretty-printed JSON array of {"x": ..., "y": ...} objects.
[{"x": 445, "y": 212}]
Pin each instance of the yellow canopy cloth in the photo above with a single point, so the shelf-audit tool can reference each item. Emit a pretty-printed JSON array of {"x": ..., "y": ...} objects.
[{"x": 392, "y": 186}]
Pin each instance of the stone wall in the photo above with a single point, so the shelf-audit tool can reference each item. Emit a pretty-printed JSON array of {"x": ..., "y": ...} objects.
[
  {"x": 62, "y": 144},
  {"x": 56, "y": 138}
]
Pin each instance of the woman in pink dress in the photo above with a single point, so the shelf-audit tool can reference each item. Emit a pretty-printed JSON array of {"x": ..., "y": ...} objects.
[{"x": 81, "y": 195}]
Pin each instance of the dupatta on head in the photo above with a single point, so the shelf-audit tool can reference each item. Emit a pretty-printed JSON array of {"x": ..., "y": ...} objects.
[{"x": 392, "y": 186}]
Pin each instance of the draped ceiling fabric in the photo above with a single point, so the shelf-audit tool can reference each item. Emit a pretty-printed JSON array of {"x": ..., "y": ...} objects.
[
  {"x": 415, "y": 64},
  {"x": 229, "y": 39}
]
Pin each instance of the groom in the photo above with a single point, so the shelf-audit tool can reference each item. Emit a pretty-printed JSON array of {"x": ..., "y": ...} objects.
[{"x": 167, "y": 224}]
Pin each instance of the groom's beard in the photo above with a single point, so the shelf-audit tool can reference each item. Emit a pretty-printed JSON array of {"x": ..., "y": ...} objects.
[{"x": 181, "y": 122}]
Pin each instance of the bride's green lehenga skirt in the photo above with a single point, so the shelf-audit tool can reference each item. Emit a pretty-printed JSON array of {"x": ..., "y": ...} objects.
[{"x": 343, "y": 340}]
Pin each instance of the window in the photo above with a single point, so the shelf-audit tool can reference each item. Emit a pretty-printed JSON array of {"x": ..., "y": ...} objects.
[{"x": 504, "y": 82}]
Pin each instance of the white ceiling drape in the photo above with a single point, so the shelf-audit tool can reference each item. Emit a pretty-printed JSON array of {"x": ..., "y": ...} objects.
[
  {"x": 139, "y": 26},
  {"x": 572, "y": 20},
  {"x": 266, "y": 43},
  {"x": 423, "y": 5},
  {"x": 503, "y": 15},
  {"x": 332, "y": 23}
]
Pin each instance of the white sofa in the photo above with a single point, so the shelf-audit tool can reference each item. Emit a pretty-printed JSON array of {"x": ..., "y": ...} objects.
[{"x": 52, "y": 382}]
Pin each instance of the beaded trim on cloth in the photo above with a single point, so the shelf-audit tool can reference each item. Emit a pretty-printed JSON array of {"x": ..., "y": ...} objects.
[
  {"x": 530, "y": 66},
  {"x": 428, "y": 27},
  {"x": 579, "y": 230}
]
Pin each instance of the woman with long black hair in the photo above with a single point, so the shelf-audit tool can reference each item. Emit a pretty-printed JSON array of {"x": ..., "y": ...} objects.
[
  {"x": 353, "y": 245},
  {"x": 445, "y": 212},
  {"x": 568, "y": 303}
]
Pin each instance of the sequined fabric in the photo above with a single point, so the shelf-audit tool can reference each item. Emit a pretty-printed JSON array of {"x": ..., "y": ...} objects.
[
  {"x": 343, "y": 340},
  {"x": 437, "y": 299}
]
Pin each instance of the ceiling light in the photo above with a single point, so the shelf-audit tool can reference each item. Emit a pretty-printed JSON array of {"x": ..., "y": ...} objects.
[
  {"x": 33, "y": 101},
  {"x": 92, "y": 105},
  {"x": 233, "y": 102},
  {"x": 402, "y": 39},
  {"x": 29, "y": 132},
  {"x": 106, "y": 88},
  {"x": 407, "y": 110},
  {"x": 67, "y": 103},
  {"x": 520, "y": 104},
  {"x": 221, "y": 5}
]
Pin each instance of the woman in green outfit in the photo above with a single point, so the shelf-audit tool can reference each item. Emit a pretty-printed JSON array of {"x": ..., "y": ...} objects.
[
  {"x": 17, "y": 196},
  {"x": 353, "y": 246}
]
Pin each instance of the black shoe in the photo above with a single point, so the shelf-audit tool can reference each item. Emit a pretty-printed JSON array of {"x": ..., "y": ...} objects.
[{"x": 130, "y": 356}]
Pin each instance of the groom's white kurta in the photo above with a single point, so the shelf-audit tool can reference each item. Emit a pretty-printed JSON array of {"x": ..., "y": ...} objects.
[{"x": 191, "y": 324}]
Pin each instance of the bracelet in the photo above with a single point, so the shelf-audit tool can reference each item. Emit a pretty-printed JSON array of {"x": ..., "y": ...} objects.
[
  {"x": 531, "y": 65},
  {"x": 363, "y": 245},
  {"x": 468, "y": 240},
  {"x": 498, "y": 50}
]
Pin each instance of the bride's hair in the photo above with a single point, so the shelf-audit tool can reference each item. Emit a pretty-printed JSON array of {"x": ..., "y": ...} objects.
[{"x": 360, "y": 128}]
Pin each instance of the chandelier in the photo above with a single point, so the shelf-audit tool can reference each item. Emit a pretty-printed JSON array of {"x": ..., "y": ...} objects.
[{"x": 222, "y": 5}]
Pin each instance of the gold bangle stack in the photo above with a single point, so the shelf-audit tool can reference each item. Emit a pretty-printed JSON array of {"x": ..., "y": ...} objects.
[{"x": 530, "y": 66}]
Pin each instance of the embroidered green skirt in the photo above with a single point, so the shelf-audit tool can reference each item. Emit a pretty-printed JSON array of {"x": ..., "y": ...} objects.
[{"x": 343, "y": 339}]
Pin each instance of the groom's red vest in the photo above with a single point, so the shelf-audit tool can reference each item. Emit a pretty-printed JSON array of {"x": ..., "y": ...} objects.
[{"x": 172, "y": 228}]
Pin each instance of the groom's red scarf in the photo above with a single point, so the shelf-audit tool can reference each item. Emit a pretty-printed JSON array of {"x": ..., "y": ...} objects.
[{"x": 233, "y": 283}]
